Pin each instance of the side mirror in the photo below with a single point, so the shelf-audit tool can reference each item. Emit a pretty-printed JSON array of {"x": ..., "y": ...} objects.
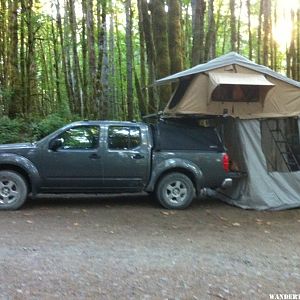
[{"x": 55, "y": 144}]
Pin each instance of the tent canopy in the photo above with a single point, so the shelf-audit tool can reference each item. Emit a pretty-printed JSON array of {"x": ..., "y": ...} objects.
[
  {"x": 235, "y": 86},
  {"x": 231, "y": 58}
]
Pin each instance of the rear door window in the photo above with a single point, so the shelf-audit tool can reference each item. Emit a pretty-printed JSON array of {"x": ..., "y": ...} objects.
[{"x": 123, "y": 137}]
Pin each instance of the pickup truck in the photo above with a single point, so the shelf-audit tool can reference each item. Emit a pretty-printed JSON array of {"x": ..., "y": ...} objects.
[{"x": 173, "y": 161}]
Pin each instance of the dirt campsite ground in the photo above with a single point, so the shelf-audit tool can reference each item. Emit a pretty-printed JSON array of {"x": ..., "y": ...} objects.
[{"x": 128, "y": 247}]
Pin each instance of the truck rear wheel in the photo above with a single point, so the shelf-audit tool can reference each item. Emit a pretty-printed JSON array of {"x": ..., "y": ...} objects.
[
  {"x": 175, "y": 191},
  {"x": 13, "y": 190}
]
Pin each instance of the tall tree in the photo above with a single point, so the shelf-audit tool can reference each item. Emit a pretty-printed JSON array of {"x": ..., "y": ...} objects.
[
  {"x": 249, "y": 29},
  {"x": 13, "y": 71},
  {"x": 129, "y": 59},
  {"x": 146, "y": 24},
  {"x": 198, "y": 11},
  {"x": 160, "y": 35},
  {"x": 210, "y": 41},
  {"x": 141, "y": 85},
  {"x": 101, "y": 21},
  {"x": 175, "y": 36},
  {"x": 233, "y": 34},
  {"x": 267, "y": 31},
  {"x": 92, "y": 67},
  {"x": 259, "y": 30},
  {"x": 77, "y": 77}
]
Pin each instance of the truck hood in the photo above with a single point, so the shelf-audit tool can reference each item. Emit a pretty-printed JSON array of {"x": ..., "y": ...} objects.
[{"x": 16, "y": 146}]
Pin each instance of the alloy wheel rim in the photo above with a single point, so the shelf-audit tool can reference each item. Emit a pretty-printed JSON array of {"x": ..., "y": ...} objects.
[
  {"x": 9, "y": 192},
  {"x": 176, "y": 192}
]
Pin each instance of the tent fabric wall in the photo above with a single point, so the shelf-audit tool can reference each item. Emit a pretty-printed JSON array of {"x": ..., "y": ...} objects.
[
  {"x": 283, "y": 100},
  {"x": 261, "y": 189}
]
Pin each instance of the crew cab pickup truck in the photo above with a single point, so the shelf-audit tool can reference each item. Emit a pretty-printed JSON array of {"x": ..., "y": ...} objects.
[{"x": 173, "y": 161}]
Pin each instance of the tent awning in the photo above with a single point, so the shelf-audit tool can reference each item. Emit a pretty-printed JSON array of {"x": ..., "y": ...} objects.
[
  {"x": 238, "y": 87},
  {"x": 238, "y": 78}
]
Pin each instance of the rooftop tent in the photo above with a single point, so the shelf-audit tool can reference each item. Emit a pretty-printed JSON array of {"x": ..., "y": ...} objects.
[
  {"x": 261, "y": 130},
  {"x": 210, "y": 88}
]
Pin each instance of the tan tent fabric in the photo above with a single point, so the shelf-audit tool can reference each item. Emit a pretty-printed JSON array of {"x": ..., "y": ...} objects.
[
  {"x": 238, "y": 78},
  {"x": 282, "y": 100},
  {"x": 280, "y": 95},
  {"x": 228, "y": 78}
]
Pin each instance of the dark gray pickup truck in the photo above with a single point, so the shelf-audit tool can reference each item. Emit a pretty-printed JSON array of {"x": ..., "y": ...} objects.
[{"x": 171, "y": 160}]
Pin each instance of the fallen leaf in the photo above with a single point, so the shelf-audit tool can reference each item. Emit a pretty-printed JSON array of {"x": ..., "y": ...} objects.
[
  {"x": 236, "y": 224},
  {"x": 165, "y": 213},
  {"x": 29, "y": 221},
  {"x": 259, "y": 220},
  {"x": 266, "y": 231},
  {"x": 76, "y": 224},
  {"x": 268, "y": 223}
]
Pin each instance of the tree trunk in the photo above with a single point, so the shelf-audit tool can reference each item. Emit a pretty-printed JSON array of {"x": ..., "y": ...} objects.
[
  {"x": 162, "y": 58},
  {"x": 94, "y": 101},
  {"x": 238, "y": 35},
  {"x": 198, "y": 8},
  {"x": 298, "y": 44},
  {"x": 249, "y": 29},
  {"x": 142, "y": 84},
  {"x": 129, "y": 59},
  {"x": 56, "y": 67},
  {"x": 63, "y": 56},
  {"x": 267, "y": 31},
  {"x": 78, "y": 109},
  {"x": 101, "y": 21},
  {"x": 259, "y": 30},
  {"x": 233, "y": 37},
  {"x": 210, "y": 41},
  {"x": 123, "y": 111},
  {"x": 13, "y": 71},
  {"x": 152, "y": 90},
  {"x": 112, "y": 61},
  {"x": 175, "y": 36}
]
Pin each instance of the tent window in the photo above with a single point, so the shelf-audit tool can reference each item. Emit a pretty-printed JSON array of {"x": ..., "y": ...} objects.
[
  {"x": 236, "y": 93},
  {"x": 179, "y": 93},
  {"x": 280, "y": 144}
]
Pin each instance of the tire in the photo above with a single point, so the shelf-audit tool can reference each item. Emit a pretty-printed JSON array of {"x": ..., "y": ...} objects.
[
  {"x": 13, "y": 190},
  {"x": 175, "y": 191}
]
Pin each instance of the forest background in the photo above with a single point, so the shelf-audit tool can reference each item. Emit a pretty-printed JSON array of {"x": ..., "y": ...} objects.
[{"x": 63, "y": 60}]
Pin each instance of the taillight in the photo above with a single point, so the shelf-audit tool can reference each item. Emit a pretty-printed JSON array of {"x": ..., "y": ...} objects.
[{"x": 225, "y": 162}]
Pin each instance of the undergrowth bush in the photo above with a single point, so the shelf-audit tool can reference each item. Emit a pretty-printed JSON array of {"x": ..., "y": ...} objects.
[
  {"x": 20, "y": 130},
  {"x": 10, "y": 130}
]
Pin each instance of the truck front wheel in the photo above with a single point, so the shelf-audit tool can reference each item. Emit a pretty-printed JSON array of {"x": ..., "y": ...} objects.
[
  {"x": 175, "y": 191},
  {"x": 13, "y": 190}
]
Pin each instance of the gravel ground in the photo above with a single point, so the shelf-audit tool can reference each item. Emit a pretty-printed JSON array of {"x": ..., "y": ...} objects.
[{"x": 130, "y": 248}]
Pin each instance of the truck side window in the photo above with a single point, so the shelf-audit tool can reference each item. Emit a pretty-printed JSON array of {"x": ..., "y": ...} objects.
[
  {"x": 123, "y": 138},
  {"x": 81, "y": 137}
]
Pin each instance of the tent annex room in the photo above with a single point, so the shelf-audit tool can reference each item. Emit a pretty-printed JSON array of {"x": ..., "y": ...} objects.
[{"x": 258, "y": 114}]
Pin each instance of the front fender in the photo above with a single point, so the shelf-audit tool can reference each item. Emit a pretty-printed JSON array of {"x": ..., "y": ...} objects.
[
  {"x": 175, "y": 164},
  {"x": 26, "y": 165}
]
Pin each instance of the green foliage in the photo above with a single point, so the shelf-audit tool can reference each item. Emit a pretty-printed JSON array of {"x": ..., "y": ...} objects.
[
  {"x": 20, "y": 130},
  {"x": 44, "y": 127},
  {"x": 10, "y": 130}
]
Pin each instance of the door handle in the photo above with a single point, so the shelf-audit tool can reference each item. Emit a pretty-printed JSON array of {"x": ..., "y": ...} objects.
[
  {"x": 94, "y": 156},
  {"x": 137, "y": 156}
]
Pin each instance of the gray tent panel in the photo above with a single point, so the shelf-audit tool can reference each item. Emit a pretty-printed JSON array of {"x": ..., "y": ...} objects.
[{"x": 260, "y": 189}]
